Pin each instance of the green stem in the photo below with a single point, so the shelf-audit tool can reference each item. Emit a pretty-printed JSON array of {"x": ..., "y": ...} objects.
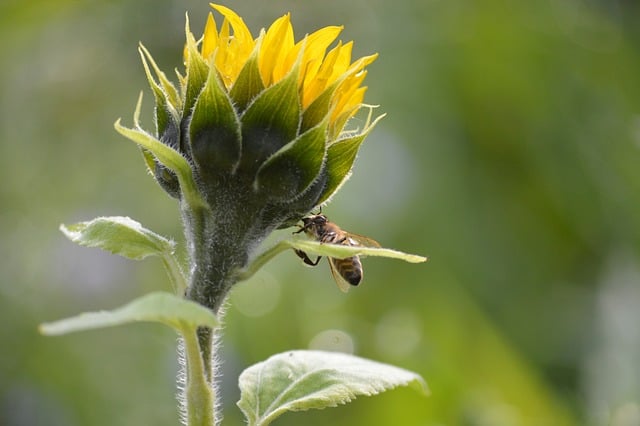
[
  {"x": 195, "y": 220},
  {"x": 200, "y": 394},
  {"x": 199, "y": 345},
  {"x": 218, "y": 245}
]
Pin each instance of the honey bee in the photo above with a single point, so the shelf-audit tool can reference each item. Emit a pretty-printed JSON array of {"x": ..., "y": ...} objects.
[{"x": 346, "y": 272}]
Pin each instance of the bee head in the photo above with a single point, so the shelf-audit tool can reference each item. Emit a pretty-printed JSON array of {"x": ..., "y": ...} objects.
[
  {"x": 315, "y": 220},
  {"x": 314, "y": 224}
]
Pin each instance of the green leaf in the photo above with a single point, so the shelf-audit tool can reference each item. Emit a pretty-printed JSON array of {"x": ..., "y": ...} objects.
[
  {"x": 341, "y": 251},
  {"x": 270, "y": 122},
  {"x": 302, "y": 380},
  {"x": 290, "y": 171},
  {"x": 159, "y": 307},
  {"x": 119, "y": 235},
  {"x": 316, "y": 248}
]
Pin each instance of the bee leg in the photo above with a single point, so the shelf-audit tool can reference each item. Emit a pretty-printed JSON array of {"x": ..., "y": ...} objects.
[{"x": 302, "y": 255}]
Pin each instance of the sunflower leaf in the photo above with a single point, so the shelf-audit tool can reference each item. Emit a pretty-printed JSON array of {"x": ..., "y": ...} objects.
[
  {"x": 303, "y": 380},
  {"x": 315, "y": 248},
  {"x": 164, "y": 308},
  {"x": 340, "y": 251},
  {"x": 119, "y": 235}
]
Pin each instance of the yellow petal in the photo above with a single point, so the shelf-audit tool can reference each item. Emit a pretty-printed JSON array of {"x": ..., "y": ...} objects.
[
  {"x": 339, "y": 118},
  {"x": 362, "y": 62},
  {"x": 210, "y": 37},
  {"x": 342, "y": 62},
  {"x": 240, "y": 30},
  {"x": 314, "y": 84},
  {"x": 237, "y": 48},
  {"x": 315, "y": 46},
  {"x": 277, "y": 43},
  {"x": 223, "y": 57},
  {"x": 318, "y": 42},
  {"x": 344, "y": 99}
]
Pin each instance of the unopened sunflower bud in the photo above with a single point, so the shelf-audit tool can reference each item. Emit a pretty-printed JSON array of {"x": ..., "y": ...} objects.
[{"x": 261, "y": 124}]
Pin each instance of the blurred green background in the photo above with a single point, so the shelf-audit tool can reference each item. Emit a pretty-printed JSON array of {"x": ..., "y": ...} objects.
[{"x": 509, "y": 155}]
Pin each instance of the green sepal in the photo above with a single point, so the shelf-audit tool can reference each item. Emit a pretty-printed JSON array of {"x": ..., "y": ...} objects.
[
  {"x": 197, "y": 72},
  {"x": 249, "y": 83},
  {"x": 290, "y": 171},
  {"x": 165, "y": 154},
  {"x": 166, "y": 114},
  {"x": 166, "y": 121},
  {"x": 340, "y": 158},
  {"x": 118, "y": 235},
  {"x": 296, "y": 208},
  {"x": 149, "y": 161},
  {"x": 319, "y": 108},
  {"x": 270, "y": 122},
  {"x": 214, "y": 130},
  {"x": 303, "y": 380},
  {"x": 167, "y": 180},
  {"x": 176, "y": 312},
  {"x": 338, "y": 124},
  {"x": 167, "y": 86}
]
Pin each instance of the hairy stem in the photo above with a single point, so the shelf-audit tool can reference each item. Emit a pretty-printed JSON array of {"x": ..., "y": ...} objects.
[
  {"x": 200, "y": 395},
  {"x": 217, "y": 249}
]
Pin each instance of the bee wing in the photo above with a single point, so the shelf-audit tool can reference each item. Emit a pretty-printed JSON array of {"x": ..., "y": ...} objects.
[
  {"x": 361, "y": 240},
  {"x": 343, "y": 285}
]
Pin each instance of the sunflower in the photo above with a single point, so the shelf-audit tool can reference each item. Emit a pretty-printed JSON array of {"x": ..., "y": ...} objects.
[
  {"x": 320, "y": 74},
  {"x": 256, "y": 125}
]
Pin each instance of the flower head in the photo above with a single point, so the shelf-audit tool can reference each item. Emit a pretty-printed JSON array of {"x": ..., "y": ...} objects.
[
  {"x": 253, "y": 139},
  {"x": 256, "y": 135},
  {"x": 268, "y": 110}
]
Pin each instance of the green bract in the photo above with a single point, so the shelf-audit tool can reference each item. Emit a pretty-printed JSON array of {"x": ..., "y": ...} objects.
[{"x": 250, "y": 139}]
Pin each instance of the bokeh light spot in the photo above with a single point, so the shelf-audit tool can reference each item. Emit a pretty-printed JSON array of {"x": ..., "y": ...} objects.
[
  {"x": 258, "y": 296},
  {"x": 334, "y": 341},
  {"x": 398, "y": 333}
]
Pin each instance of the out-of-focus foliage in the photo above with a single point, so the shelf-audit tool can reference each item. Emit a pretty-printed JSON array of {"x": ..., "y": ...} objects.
[{"x": 510, "y": 155}]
